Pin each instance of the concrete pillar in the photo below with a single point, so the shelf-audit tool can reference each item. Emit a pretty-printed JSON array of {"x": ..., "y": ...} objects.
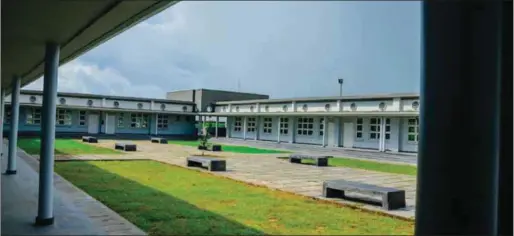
[
  {"x": 46, "y": 164},
  {"x": 244, "y": 127},
  {"x": 13, "y": 133},
  {"x": 324, "y": 141},
  {"x": 381, "y": 140},
  {"x": 257, "y": 128},
  {"x": 2, "y": 114},
  {"x": 293, "y": 129},
  {"x": 216, "y": 128},
  {"x": 462, "y": 53},
  {"x": 278, "y": 130}
]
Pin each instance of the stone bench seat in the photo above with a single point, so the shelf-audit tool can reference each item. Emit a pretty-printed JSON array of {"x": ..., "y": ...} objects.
[
  {"x": 320, "y": 160},
  {"x": 128, "y": 147},
  {"x": 89, "y": 139},
  {"x": 391, "y": 198},
  {"x": 159, "y": 140},
  {"x": 211, "y": 164}
]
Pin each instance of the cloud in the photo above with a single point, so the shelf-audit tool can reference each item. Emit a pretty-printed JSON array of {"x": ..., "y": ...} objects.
[{"x": 283, "y": 49}]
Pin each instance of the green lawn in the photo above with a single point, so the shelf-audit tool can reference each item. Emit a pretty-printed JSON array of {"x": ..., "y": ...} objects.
[
  {"x": 167, "y": 200},
  {"x": 63, "y": 146},
  {"x": 369, "y": 165},
  {"x": 230, "y": 148}
]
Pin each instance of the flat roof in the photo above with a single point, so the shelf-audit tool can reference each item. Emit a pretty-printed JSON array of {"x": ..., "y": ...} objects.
[
  {"x": 331, "y": 98},
  {"x": 85, "y": 95},
  {"x": 218, "y": 90}
]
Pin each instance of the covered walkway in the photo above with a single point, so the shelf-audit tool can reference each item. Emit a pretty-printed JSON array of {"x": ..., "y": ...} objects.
[{"x": 76, "y": 213}]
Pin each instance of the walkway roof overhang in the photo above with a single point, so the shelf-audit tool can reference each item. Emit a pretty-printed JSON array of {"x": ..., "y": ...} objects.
[
  {"x": 78, "y": 26},
  {"x": 331, "y": 114}
]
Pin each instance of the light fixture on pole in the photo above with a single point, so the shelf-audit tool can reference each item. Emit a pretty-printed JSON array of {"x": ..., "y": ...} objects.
[{"x": 340, "y": 81}]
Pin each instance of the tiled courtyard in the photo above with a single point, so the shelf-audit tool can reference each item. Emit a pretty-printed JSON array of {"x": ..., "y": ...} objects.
[{"x": 267, "y": 170}]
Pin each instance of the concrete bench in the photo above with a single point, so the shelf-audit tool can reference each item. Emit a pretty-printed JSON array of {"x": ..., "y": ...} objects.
[
  {"x": 125, "y": 147},
  {"x": 211, "y": 164},
  {"x": 320, "y": 160},
  {"x": 89, "y": 139},
  {"x": 392, "y": 198},
  {"x": 158, "y": 140},
  {"x": 216, "y": 148}
]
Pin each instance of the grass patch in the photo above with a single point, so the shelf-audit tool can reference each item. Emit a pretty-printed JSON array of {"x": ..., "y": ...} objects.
[
  {"x": 230, "y": 148},
  {"x": 63, "y": 147},
  {"x": 368, "y": 165},
  {"x": 167, "y": 200}
]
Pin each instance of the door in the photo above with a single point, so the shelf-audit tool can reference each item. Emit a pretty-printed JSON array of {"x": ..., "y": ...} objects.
[
  {"x": 110, "y": 124},
  {"x": 331, "y": 129},
  {"x": 348, "y": 135},
  {"x": 92, "y": 125}
]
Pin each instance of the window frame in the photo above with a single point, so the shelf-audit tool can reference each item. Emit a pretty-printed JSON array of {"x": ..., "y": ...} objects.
[
  {"x": 120, "y": 123},
  {"x": 138, "y": 120},
  {"x": 67, "y": 117},
  {"x": 376, "y": 132},
  {"x": 238, "y": 124},
  {"x": 284, "y": 126},
  {"x": 415, "y": 133},
  {"x": 267, "y": 125},
  {"x": 359, "y": 122},
  {"x": 83, "y": 118},
  {"x": 163, "y": 121},
  {"x": 305, "y": 126},
  {"x": 251, "y": 124},
  {"x": 321, "y": 126},
  {"x": 32, "y": 111}
]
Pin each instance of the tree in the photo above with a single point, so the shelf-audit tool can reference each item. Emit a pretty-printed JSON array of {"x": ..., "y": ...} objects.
[{"x": 204, "y": 140}]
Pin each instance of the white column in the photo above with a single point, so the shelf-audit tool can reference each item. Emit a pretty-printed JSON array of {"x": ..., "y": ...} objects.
[
  {"x": 339, "y": 105},
  {"x": 244, "y": 127},
  {"x": 13, "y": 132},
  {"x": 216, "y": 128},
  {"x": 257, "y": 128},
  {"x": 381, "y": 141},
  {"x": 324, "y": 142},
  {"x": 292, "y": 122},
  {"x": 45, "y": 213},
  {"x": 103, "y": 102},
  {"x": 278, "y": 130},
  {"x": 152, "y": 105}
]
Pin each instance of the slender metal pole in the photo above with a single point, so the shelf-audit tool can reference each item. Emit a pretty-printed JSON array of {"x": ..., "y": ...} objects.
[
  {"x": 462, "y": 50},
  {"x": 2, "y": 112},
  {"x": 13, "y": 133},
  {"x": 46, "y": 164}
]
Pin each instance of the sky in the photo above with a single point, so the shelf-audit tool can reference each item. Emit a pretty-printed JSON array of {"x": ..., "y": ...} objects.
[{"x": 280, "y": 48}]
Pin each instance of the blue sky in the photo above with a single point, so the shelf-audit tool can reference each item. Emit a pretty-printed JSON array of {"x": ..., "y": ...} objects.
[{"x": 280, "y": 48}]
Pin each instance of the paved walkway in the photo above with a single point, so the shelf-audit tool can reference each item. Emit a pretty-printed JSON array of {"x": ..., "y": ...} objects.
[
  {"x": 75, "y": 212},
  {"x": 267, "y": 170},
  {"x": 398, "y": 158}
]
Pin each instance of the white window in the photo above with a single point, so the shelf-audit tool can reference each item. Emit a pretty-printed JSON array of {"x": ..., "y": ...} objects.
[
  {"x": 374, "y": 128},
  {"x": 121, "y": 120},
  {"x": 305, "y": 126},
  {"x": 358, "y": 129},
  {"x": 413, "y": 130},
  {"x": 250, "y": 124},
  {"x": 63, "y": 117},
  {"x": 237, "y": 124},
  {"x": 33, "y": 116},
  {"x": 139, "y": 120},
  {"x": 7, "y": 116},
  {"x": 267, "y": 125},
  {"x": 388, "y": 129},
  {"x": 284, "y": 126},
  {"x": 321, "y": 126},
  {"x": 162, "y": 121},
  {"x": 82, "y": 118}
]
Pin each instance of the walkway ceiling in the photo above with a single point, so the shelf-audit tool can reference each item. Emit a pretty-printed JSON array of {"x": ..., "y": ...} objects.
[{"x": 78, "y": 26}]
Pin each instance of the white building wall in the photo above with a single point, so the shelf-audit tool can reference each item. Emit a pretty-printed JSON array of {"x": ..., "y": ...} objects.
[
  {"x": 368, "y": 105},
  {"x": 407, "y": 105},
  {"x": 393, "y": 143},
  {"x": 315, "y": 138},
  {"x": 274, "y": 129},
  {"x": 316, "y": 106}
]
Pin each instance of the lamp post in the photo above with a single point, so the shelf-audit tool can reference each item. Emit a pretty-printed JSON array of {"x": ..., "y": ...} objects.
[{"x": 340, "y": 81}]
